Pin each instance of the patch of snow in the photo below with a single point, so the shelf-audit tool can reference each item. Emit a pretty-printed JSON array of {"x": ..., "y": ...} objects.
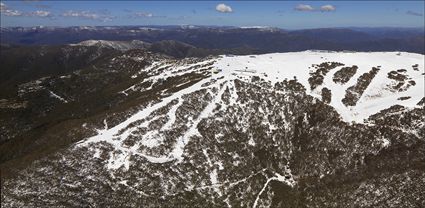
[
  {"x": 96, "y": 153},
  {"x": 54, "y": 95},
  {"x": 385, "y": 142},
  {"x": 251, "y": 142}
]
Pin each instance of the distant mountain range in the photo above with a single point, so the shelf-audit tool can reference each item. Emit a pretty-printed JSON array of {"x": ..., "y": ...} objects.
[{"x": 237, "y": 40}]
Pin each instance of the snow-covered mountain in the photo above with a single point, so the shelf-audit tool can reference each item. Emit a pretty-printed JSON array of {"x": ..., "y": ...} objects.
[
  {"x": 118, "y": 45},
  {"x": 302, "y": 129},
  {"x": 399, "y": 75}
]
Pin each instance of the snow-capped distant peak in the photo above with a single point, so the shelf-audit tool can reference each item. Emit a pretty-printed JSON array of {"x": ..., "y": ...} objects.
[
  {"x": 254, "y": 27},
  {"x": 119, "y": 45},
  {"x": 261, "y": 28}
]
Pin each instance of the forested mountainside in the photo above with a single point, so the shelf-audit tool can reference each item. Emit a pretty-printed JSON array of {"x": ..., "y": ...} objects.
[{"x": 131, "y": 128}]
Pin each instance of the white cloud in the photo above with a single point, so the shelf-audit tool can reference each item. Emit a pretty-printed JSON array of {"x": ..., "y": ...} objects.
[
  {"x": 142, "y": 14},
  {"x": 11, "y": 12},
  {"x": 88, "y": 15},
  {"x": 223, "y": 8},
  {"x": 309, "y": 8},
  {"x": 327, "y": 8},
  {"x": 4, "y": 10},
  {"x": 84, "y": 14},
  {"x": 40, "y": 13},
  {"x": 304, "y": 8}
]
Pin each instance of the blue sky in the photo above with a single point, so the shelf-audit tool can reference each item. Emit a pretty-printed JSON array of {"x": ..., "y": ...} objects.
[{"x": 283, "y": 14}]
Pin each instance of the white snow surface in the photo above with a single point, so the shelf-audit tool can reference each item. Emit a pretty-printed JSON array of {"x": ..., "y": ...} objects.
[
  {"x": 120, "y": 45},
  {"x": 278, "y": 66},
  {"x": 52, "y": 94},
  {"x": 275, "y": 68}
]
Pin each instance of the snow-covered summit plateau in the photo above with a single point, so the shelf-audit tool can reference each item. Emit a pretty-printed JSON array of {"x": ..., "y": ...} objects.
[{"x": 379, "y": 94}]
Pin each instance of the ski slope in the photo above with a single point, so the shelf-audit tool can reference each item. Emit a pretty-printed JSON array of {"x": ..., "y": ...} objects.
[{"x": 272, "y": 68}]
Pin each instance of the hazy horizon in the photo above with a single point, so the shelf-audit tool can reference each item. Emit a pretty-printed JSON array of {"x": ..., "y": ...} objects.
[{"x": 216, "y": 26}]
